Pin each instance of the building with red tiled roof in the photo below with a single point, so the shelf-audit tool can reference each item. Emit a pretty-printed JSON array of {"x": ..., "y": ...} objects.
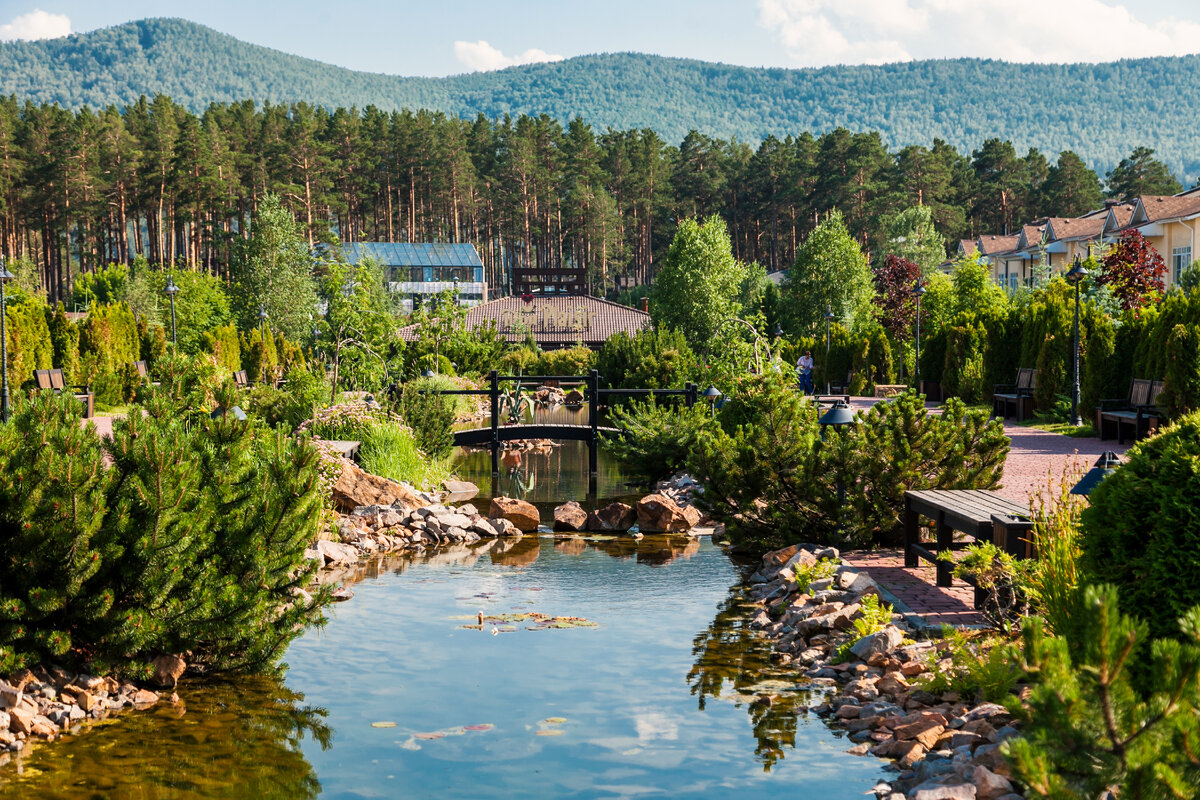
[
  {"x": 554, "y": 321},
  {"x": 1169, "y": 224}
]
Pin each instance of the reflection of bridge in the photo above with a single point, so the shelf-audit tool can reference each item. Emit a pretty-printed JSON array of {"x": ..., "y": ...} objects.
[{"x": 496, "y": 433}]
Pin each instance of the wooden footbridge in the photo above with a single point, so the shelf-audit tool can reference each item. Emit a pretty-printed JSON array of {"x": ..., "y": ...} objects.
[{"x": 594, "y": 396}]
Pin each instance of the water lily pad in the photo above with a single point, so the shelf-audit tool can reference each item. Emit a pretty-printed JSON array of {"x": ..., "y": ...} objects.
[
  {"x": 548, "y": 732},
  {"x": 483, "y": 727},
  {"x": 456, "y": 731},
  {"x": 383, "y": 724},
  {"x": 410, "y": 744},
  {"x": 430, "y": 735},
  {"x": 553, "y": 720}
]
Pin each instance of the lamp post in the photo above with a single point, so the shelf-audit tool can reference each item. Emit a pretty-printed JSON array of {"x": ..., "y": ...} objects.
[
  {"x": 828, "y": 321},
  {"x": 712, "y": 394},
  {"x": 1076, "y": 275},
  {"x": 171, "y": 290},
  {"x": 918, "y": 292},
  {"x": 778, "y": 332},
  {"x": 427, "y": 373},
  {"x": 5, "y": 277},
  {"x": 837, "y": 417},
  {"x": 1106, "y": 465},
  {"x": 262, "y": 321}
]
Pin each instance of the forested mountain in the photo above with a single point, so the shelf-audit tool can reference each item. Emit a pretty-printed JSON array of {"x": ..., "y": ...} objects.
[{"x": 1101, "y": 111}]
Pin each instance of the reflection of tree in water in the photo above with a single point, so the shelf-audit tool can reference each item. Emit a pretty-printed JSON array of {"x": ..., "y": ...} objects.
[
  {"x": 732, "y": 662},
  {"x": 238, "y": 740}
]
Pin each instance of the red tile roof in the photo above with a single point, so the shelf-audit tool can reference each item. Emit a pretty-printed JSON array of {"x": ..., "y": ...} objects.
[
  {"x": 995, "y": 245},
  {"x": 554, "y": 320},
  {"x": 967, "y": 246},
  {"x": 1153, "y": 208}
]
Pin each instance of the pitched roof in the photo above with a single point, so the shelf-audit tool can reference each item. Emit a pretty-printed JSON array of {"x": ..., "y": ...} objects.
[
  {"x": 554, "y": 320},
  {"x": 995, "y": 245},
  {"x": 1059, "y": 229},
  {"x": 1030, "y": 236},
  {"x": 967, "y": 246},
  {"x": 1117, "y": 217},
  {"x": 1155, "y": 208},
  {"x": 413, "y": 254}
]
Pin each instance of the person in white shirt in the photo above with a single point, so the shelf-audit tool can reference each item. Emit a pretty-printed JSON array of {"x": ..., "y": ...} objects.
[{"x": 804, "y": 367}]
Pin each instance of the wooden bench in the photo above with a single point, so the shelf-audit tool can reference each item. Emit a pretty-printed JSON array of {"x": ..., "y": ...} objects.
[
  {"x": 241, "y": 380},
  {"x": 55, "y": 381},
  {"x": 1017, "y": 396},
  {"x": 890, "y": 389},
  {"x": 144, "y": 373},
  {"x": 967, "y": 510},
  {"x": 841, "y": 389},
  {"x": 1138, "y": 411}
]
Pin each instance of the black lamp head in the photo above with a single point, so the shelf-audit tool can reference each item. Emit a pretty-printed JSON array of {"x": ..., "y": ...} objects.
[{"x": 1105, "y": 465}]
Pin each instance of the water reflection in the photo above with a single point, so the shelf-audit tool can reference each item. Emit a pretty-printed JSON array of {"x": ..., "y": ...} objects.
[
  {"x": 254, "y": 729},
  {"x": 733, "y": 663}
]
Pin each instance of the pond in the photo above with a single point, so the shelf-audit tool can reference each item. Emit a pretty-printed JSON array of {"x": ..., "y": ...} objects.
[{"x": 653, "y": 690}]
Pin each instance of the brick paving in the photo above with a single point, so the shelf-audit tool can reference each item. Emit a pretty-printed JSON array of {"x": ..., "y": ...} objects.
[{"x": 1036, "y": 464}]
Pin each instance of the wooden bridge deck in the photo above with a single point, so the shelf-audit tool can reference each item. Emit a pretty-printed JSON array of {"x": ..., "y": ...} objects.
[{"x": 507, "y": 433}]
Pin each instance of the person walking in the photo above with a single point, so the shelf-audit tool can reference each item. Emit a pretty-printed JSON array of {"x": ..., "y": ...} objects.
[{"x": 804, "y": 366}]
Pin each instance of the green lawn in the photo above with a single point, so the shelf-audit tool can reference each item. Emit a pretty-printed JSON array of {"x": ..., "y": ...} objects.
[{"x": 1084, "y": 431}]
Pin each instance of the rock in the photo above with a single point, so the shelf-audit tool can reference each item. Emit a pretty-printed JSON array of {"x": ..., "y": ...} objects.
[
  {"x": 484, "y": 528},
  {"x": 613, "y": 518},
  {"x": 657, "y": 513},
  {"x": 469, "y": 510},
  {"x": 168, "y": 670},
  {"x": 21, "y": 719},
  {"x": 692, "y": 515},
  {"x": 341, "y": 594},
  {"x": 937, "y": 789},
  {"x": 337, "y": 552},
  {"x": 5, "y": 720},
  {"x": 85, "y": 700},
  {"x": 356, "y": 487},
  {"x": 573, "y": 398},
  {"x": 523, "y": 515},
  {"x": 860, "y": 749},
  {"x": 504, "y": 527},
  {"x": 570, "y": 517},
  {"x": 457, "y": 491},
  {"x": 877, "y": 643},
  {"x": 9, "y": 695},
  {"x": 988, "y": 784},
  {"x": 143, "y": 697},
  {"x": 312, "y": 554},
  {"x": 449, "y": 519}
]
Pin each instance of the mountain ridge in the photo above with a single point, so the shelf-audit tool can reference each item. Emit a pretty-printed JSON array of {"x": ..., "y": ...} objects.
[{"x": 1102, "y": 110}]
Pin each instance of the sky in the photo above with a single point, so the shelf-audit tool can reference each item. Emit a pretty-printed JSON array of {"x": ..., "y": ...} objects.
[{"x": 419, "y": 37}]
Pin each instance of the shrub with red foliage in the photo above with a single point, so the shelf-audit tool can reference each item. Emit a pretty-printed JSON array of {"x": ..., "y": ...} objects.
[
  {"x": 1133, "y": 270},
  {"x": 894, "y": 282}
]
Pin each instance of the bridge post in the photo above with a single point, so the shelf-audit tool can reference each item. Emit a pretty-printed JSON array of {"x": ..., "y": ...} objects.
[
  {"x": 494, "y": 398},
  {"x": 594, "y": 423},
  {"x": 689, "y": 394}
]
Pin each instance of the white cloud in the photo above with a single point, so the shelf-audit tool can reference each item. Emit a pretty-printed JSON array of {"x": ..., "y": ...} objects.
[
  {"x": 481, "y": 56},
  {"x": 36, "y": 24},
  {"x": 820, "y": 32}
]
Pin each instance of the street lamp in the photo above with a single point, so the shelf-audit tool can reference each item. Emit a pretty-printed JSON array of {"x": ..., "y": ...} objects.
[
  {"x": 1076, "y": 275},
  {"x": 1106, "y": 465},
  {"x": 918, "y": 292},
  {"x": 5, "y": 277},
  {"x": 427, "y": 373},
  {"x": 839, "y": 416},
  {"x": 262, "y": 321},
  {"x": 171, "y": 289},
  {"x": 778, "y": 332},
  {"x": 712, "y": 394},
  {"x": 828, "y": 320}
]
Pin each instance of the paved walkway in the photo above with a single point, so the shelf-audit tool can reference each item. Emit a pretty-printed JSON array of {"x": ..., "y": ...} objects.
[{"x": 1037, "y": 463}]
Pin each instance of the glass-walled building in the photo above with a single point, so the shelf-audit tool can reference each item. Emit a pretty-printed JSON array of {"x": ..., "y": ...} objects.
[{"x": 416, "y": 271}]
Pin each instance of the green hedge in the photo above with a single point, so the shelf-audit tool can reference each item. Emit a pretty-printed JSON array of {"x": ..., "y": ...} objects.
[{"x": 29, "y": 343}]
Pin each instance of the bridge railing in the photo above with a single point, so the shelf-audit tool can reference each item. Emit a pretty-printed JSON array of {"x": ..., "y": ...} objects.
[{"x": 592, "y": 393}]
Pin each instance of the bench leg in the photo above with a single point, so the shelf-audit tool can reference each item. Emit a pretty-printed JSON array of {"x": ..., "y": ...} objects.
[
  {"x": 945, "y": 542},
  {"x": 912, "y": 534}
]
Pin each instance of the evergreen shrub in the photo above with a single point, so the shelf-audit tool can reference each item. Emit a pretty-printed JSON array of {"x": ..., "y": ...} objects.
[{"x": 1139, "y": 533}]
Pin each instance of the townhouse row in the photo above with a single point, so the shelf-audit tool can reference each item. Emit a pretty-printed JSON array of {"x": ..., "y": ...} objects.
[{"x": 1168, "y": 223}]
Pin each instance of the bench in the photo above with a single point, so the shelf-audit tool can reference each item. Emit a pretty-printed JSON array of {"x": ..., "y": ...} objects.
[
  {"x": 54, "y": 380},
  {"x": 843, "y": 388},
  {"x": 969, "y": 511},
  {"x": 1017, "y": 396},
  {"x": 144, "y": 373},
  {"x": 1138, "y": 411},
  {"x": 241, "y": 380},
  {"x": 890, "y": 389}
]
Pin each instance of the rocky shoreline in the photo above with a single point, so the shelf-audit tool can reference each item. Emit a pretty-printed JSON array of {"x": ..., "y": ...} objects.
[{"x": 942, "y": 747}]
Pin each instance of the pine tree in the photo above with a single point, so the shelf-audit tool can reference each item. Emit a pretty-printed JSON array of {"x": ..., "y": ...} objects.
[{"x": 52, "y": 502}]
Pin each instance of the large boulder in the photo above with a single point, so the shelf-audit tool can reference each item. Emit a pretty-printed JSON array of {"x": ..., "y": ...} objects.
[
  {"x": 613, "y": 518},
  {"x": 520, "y": 513},
  {"x": 168, "y": 669},
  {"x": 570, "y": 517},
  {"x": 356, "y": 487},
  {"x": 657, "y": 513}
]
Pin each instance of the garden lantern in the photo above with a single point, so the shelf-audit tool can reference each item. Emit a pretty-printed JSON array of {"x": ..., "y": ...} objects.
[
  {"x": 828, "y": 321},
  {"x": 839, "y": 416},
  {"x": 1106, "y": 465},
  {"x": 778, "y": 332},
  {"x": 918, "y": 292},
  {"x": 171, "y": 290},
  {"x": 1076, "y": 275},
  {"x": 5, "y": 277},
  {"x": 427, "y": 373},
  {"x": 712, "y": 394}
]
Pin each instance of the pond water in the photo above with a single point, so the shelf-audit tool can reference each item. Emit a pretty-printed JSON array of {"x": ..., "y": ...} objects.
[{"x": 654, "y": 692}]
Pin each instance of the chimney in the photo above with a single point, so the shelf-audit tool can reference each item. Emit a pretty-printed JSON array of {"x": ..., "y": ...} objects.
[{"x": 646, "y": 305}]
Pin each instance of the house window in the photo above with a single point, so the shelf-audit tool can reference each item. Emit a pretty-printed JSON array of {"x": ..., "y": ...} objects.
[{"x": 1181, "y": 259}]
